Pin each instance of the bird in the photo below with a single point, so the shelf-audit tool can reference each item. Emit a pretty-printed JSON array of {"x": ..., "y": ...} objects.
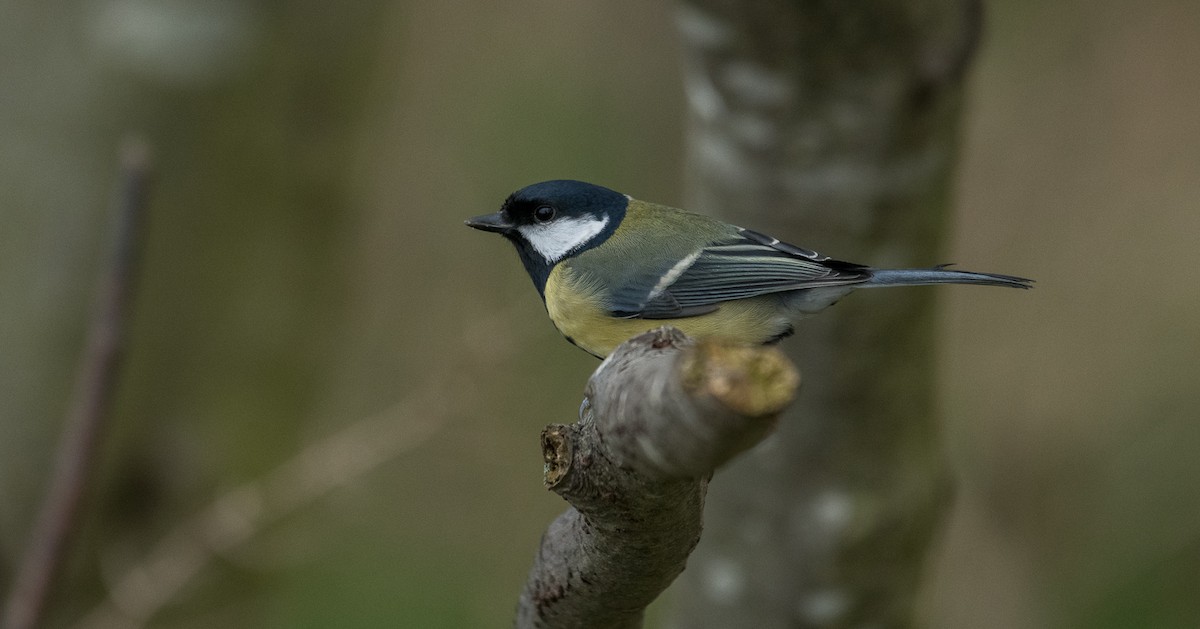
[{"x": 609, "y": 267}]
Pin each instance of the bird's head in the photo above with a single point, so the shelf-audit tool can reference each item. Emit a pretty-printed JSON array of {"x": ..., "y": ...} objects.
[{"x": 554, "y": 220}]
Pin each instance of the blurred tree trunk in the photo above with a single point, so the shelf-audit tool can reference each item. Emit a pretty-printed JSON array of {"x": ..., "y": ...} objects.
[{"x": 832, "y": 125}]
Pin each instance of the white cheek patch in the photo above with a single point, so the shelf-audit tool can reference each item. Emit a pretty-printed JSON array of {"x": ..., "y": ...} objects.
[{"x": 554, "y": 240}]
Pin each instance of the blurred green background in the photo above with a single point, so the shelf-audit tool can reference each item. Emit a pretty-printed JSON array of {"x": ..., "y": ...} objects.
[{"x": 307, "y": 268}]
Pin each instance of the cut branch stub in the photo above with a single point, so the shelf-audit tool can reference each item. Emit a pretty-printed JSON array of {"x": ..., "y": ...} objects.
[
  {"x": 556, "y": 451},
  {"x": 681, "y": 414},
  {"x": 662, "y": 413}
]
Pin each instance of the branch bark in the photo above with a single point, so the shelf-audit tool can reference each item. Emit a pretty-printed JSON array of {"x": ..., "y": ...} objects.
[
  {"x": 833, "y": 125},
  {"x": 660, "y": 415},
  {"x": 94, "y": 387}
]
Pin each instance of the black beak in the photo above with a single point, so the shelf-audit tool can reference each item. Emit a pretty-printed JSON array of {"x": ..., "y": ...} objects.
[{"x": 495, "y": 222}]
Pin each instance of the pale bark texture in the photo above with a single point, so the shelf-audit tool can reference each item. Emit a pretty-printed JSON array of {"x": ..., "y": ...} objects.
[
  {"x": 832, "y": 125},
  {"x": 660, "y": 415}
]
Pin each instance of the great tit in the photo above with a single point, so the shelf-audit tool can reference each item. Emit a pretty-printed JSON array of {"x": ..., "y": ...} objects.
[{"x": 609, "y": 267}]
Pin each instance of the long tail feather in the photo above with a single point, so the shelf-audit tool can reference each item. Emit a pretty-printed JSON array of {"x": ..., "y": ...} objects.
[{"x": 940, "y": 275}]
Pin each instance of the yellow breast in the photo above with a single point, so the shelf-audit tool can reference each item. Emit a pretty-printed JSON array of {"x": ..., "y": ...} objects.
[{"x": 575, "y": 307}]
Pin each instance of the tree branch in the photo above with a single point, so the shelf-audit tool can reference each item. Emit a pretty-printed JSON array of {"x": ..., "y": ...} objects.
[
  {"x": 94, "y": 386},
  {"x": 659, "y": 416}
]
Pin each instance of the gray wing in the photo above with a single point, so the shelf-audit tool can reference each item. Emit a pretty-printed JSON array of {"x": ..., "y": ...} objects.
[{"x": 748, "y": 265}]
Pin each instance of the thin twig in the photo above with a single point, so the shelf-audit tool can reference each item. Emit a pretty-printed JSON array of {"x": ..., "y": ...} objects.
[
  {"x": 95, "y": 383},
  {"x": 236, "y": 517},
  {"x": 241, "y": 514}
]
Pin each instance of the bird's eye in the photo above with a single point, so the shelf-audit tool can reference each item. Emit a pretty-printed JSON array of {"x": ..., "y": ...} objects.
[{"x": 543, "y": 214}]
